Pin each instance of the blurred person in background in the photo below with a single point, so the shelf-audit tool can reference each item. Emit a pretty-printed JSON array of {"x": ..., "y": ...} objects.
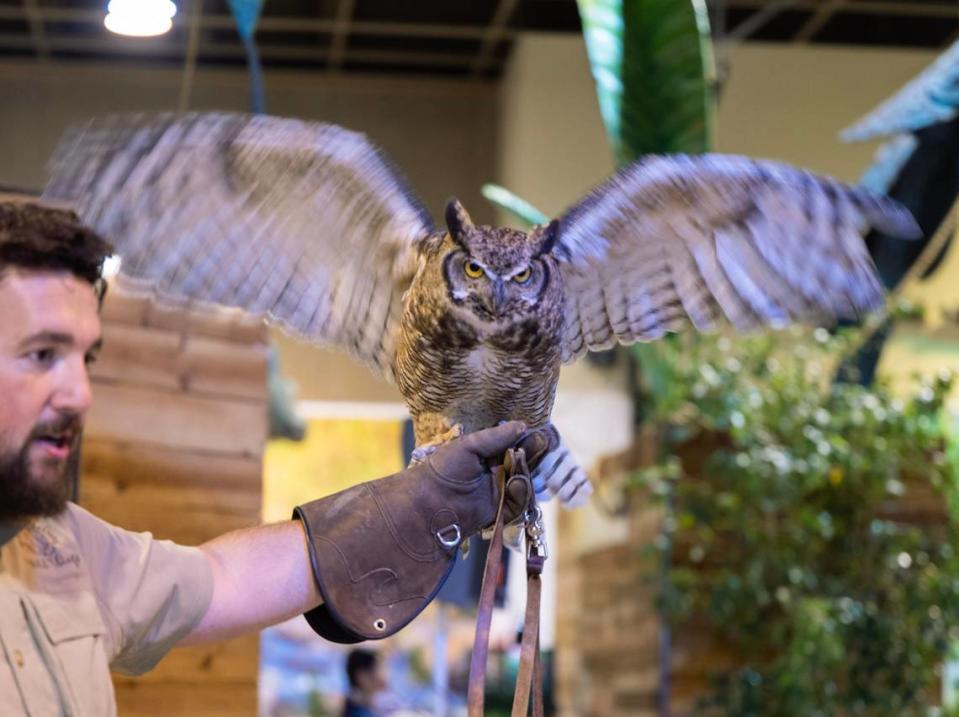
[{"x": 366, "y": 681}]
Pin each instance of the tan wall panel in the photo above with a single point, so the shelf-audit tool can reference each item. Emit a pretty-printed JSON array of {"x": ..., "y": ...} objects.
[
  {"x": 210, "y": 366},
  {"x": 177, "y": 420},
  {"x": 138, "y": 463},
  {"x": 187, "y": 517},
  {"x": 222, "y": 352},
  {"x": 165, "y": 359},
  {"x": 138, "y": 355},
  {"x": 123, "y": 308},
  {"x": 214, "y": 322},
  {"x": 108, "y": 489}
]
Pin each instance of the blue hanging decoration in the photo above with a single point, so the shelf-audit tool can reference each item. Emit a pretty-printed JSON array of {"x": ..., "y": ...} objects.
[
  {"x": 931, "y": 98},
  {"x": 247, "y": 14},
  {"x": 917, "y": 166},
  {"x": 888, "y": 163}
]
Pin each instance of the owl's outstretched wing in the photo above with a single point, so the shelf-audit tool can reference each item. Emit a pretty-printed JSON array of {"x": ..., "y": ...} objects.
[
  {"x": 677, "y": 239},
  {"x": 307, "y": 224}
]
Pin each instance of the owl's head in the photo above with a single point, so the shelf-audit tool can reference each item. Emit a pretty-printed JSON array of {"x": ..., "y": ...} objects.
[{"x": 496, "y": 272}]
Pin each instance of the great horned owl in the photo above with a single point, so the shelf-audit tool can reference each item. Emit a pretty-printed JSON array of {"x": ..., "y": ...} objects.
[
  {"x": 311, "y": 226},
  {"x": 481, "y": 332}
]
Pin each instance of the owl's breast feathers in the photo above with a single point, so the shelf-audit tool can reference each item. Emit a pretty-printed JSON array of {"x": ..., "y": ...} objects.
[{"x": 478, "y": 374}]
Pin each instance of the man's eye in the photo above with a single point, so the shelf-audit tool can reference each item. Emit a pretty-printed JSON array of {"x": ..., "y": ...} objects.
[
  {"x": 42, "y": 356},
  {"x": 90, "y": 359}
]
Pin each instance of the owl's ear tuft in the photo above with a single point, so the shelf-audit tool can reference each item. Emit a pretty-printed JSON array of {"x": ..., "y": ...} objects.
[
  {"x": 457, "y": 219},
  {"x": 546, "y": 235}
]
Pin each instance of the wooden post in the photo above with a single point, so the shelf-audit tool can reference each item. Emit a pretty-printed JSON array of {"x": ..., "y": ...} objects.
[{"x": 174, "y": 446}]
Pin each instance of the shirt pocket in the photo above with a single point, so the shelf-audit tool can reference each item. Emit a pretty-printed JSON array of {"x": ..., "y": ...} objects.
[{"x": 74, "y": 633}]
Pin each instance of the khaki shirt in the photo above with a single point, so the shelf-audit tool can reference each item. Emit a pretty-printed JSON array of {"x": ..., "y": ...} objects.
[{"x": 79, "y": 597}]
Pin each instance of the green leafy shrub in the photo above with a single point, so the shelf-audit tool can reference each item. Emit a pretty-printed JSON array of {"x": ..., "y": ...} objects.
[{"x": 808, "y": 525}]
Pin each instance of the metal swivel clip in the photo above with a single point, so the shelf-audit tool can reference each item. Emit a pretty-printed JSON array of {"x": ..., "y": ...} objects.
[{"x": 535, "y": 533}]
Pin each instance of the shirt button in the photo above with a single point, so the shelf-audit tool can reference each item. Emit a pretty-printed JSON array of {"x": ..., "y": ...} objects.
[{"x": 18, "y": 658}]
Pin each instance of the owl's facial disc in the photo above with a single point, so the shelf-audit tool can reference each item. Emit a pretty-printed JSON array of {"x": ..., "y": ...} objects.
[
  {"x": 486, "y": 285},
  {"x": 494, "y": 274}
]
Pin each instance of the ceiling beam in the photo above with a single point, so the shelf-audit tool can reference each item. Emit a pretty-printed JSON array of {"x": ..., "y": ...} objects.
[
  {"x": 504, "y": 12},
  {"x": 756, "y": 21},
  {"x": 37, "y": 31},
  {"x": 407, "y": 29},
  {"x": 402, "y": 57},
  {"x": 228, "y": 50},
  {"x": 818, "y": 20},
  {"x": 344, "y": 14},
  {"x": 281, "y": 24},
  {"x": 866, "y": 7},
  {"x": 189, "y": 59}
]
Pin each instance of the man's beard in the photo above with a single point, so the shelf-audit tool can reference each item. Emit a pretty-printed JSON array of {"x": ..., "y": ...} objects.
[{"x": 23, "y": 494}]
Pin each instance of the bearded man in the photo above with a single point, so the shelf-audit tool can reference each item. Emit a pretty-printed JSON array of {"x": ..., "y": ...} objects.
[{"x": 79, "y": 597}]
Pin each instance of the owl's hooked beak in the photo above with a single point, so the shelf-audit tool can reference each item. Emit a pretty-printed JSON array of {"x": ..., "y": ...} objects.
[{"x": 497, "y": 296}]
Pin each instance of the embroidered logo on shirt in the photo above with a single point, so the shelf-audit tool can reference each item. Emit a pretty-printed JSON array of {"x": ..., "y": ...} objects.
[
  {"x": 45, "y": 556},
  {"x": 48, "y": 549}
]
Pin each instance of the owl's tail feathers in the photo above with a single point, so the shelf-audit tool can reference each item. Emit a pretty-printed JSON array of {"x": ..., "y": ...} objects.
[{"x": 559, "y": 474}]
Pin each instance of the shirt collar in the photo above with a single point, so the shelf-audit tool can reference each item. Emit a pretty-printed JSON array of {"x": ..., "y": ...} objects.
[{"x": 9, "y": 530}]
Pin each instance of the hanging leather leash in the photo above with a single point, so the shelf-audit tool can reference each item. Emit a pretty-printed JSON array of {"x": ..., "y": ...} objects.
[{"x": 529, "y": 679}]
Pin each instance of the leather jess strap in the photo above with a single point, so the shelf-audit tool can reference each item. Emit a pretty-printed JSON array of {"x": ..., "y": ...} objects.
[{"x": 529, "y": 679}]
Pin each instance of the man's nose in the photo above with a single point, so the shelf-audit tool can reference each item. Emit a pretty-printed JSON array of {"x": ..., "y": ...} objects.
[{"x": 73, "y": 392}]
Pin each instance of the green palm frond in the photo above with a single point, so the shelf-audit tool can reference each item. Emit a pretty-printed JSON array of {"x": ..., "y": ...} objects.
[
  {"x": 652, "y": 61},
  {"x": 653, "y": 65},
  {"x": 526, "y": 213}
]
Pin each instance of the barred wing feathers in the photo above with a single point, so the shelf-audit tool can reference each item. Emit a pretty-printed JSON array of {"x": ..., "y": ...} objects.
[
  {"x": 672, "y": 240},
  {"x": 307, "y": 224}
]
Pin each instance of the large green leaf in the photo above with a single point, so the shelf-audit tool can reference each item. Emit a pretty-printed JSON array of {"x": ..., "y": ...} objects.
[
  {"x": 652, "y": 61},
  {"x": 653, "y": 66},
  {"x": 655, "y": 81}
]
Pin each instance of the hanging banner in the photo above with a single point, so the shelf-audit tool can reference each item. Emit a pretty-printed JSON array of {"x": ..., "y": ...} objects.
[{"x": 247, "y": 14}]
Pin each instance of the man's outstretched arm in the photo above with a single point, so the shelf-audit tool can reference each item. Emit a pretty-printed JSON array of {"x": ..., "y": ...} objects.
[
  {"x": 261, "y": 576},
  {"x": 378, "y": 551}
]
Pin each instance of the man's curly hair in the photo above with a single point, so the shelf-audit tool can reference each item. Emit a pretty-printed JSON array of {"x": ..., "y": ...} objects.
[{"x": 38, "y": 237}]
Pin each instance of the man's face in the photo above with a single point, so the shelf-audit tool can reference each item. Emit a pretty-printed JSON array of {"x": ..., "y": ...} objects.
[
  {"x": 49, "y": 334},
  {"x": 371, "y": 681}
]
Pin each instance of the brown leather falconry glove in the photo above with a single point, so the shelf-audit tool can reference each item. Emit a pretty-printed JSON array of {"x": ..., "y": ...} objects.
[{"x": 382, "y": 550}]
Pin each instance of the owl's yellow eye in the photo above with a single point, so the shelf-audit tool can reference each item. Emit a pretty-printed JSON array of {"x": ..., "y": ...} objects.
[
  {"x": 523, "y": 276},
  {"x": 472, "y": 269}
]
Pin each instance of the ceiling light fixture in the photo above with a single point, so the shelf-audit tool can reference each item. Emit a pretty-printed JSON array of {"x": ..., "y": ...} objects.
[{"x": 140, "y": 18}]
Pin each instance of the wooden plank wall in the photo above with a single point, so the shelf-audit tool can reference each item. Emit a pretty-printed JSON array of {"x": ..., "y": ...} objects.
[
  {"x": 174, "y": 446},
  {"x": 606, "y": 624}
]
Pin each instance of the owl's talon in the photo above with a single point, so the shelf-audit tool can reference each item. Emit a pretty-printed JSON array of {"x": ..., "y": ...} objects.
[
  {"x": 456, "y": 431},
  {"x": 421, "y": 453}
]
